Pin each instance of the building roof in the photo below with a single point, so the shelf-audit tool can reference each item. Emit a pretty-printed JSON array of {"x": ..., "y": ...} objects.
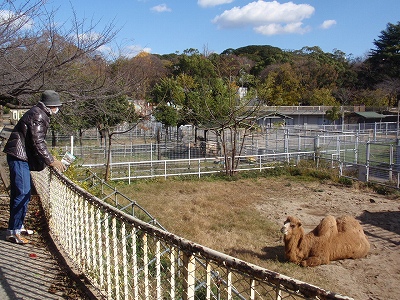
[
  {"x": 274, "y": 115},
  {"x": 370, "y": 115}
]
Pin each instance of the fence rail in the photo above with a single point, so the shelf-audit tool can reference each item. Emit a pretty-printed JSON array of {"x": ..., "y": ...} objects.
[
  {"x": 197, "y": 166},
  {"x": 370, "y": 162},
  {"x": 127, "y": 258}
]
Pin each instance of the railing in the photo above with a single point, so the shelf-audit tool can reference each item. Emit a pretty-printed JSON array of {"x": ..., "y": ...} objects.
[
  {"x": 373, "y": 162},
  {"x": 197, "y": 166},
  {"x": 127, "y": 258}
]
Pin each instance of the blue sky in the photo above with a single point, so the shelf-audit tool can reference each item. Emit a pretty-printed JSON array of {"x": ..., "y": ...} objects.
[{"x": 169, "y": 26}]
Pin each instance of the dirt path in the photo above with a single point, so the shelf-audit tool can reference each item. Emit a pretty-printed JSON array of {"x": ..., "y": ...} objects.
[
  {"x": 378, "y": 275},
  {"x": 47, "y": 274}
]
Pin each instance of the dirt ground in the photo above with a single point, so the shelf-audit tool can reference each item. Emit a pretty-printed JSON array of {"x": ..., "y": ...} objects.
[
  {"x": 378, "y": 275},
  {"x": 234, "y": 217}
]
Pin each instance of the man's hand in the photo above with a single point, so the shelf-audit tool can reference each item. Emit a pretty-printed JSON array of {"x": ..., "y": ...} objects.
[{"x": 58, "y": 165}]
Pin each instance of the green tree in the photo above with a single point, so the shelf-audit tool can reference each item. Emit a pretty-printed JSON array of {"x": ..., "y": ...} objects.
[
  {"x": 177, "y": 92},
  {"x": 167, "y": 115},
  {"x": 261, "y": 56},
  {"x": 376, "y": 98},
  {"x": 168, "y": 91},
  {"x": 282, "y": 86},
  {"x": 322, "y": 96},
  {"x": 386, "y": 55},
  {"x": 385, "y": 62},
  {"x": 333, "y": 114},
  {"x": 192, "y": 63}
]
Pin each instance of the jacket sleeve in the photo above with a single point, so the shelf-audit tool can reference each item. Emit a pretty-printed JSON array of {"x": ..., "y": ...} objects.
[{"x": 38, "y": 131}]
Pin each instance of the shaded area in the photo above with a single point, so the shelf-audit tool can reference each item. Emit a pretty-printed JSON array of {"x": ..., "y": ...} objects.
[
  {"x": 276, "y": 253},
  {"x": 382, "y": 225},
  {"x": 386, "y": 220}
]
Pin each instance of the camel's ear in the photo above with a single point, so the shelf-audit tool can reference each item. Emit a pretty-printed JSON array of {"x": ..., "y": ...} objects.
[{"x": 299, "y": 224}]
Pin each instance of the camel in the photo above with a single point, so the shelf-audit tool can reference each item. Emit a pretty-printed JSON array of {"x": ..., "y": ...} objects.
[{"x": 332, "y": 239}]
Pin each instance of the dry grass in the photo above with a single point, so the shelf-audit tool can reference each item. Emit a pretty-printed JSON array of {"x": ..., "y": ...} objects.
[
  {"x": 242, "y": 217},
  {"x": 222, "y": 215}
]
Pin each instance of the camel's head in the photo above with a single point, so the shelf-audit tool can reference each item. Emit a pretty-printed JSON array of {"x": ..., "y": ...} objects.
[{"x": 290, "y": 224}]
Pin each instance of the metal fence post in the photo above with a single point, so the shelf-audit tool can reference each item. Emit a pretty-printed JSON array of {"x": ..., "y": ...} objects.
[
  {"x": 129, "y": 173},
  {"x": 368, "y": 150},
  {"x": 391, "y": 163},
  {"x": 189, "y": 282},
  {"x": 124, "y": 261},
  {"x": 199, "y": 167},
  {"x": 356, "y": 148},
  {"x": 115, "y": 258},
  {"x": 189, "y": 152},
  {"x": 146, "y": 267},
  {"x": 316, "y": 149},
  {"x": 107, "y": 244},
  {"x": 298, "y": 147},
  {"x": 278, "y": 295},
  {"x": 151, "y": 157}
]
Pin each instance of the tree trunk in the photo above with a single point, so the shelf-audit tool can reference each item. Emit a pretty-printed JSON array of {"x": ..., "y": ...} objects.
[
  {"x": 108, "y": 151},
  {"x": 81, "y": 140},
  {"x": 53, "y": 139},
  {"x": 158, "y": 143}
]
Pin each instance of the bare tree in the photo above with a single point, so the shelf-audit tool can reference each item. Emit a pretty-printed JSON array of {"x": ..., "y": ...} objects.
[
  {"x": 230, "y": 116},
  {"x": 36, "y": 52}
]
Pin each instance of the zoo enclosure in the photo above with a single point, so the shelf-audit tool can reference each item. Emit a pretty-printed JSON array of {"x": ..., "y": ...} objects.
[
  {"x": 125, "y": 254},
  {"x": 370, "y": 156},
  {"x": 141, "y": 145}
]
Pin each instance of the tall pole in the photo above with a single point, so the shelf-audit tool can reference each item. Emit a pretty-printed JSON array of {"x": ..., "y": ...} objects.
[
  {"x": 342, "y": 108},
  {"x": 398, "y": 119}
]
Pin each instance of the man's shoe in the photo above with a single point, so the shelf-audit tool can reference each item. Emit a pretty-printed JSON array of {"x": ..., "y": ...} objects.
[
  {"x": 17, "y": 239},
  {"x": 25, "y": 231}
]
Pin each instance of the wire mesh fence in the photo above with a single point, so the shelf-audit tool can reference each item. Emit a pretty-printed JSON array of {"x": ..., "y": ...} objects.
[{"x": 353, "y": 156}]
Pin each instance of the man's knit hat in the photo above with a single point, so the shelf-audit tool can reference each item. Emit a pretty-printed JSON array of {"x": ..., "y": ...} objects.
[{"x": 51, "y": 98}]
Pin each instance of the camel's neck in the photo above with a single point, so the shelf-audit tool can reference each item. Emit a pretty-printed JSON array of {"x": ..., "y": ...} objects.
[
  {"x": 294, "y": 240},
  {"x": 293, "y": 245}
]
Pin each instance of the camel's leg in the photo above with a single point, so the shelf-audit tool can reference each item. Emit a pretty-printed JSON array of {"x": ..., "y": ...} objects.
[{"x": 313, "y": 261}]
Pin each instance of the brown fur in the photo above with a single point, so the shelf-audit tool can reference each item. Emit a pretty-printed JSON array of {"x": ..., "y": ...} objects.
[{"x": 332, "y": 239}]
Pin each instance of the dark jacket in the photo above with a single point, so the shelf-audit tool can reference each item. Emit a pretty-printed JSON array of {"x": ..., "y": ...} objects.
[{"x": 27, "y": 140}]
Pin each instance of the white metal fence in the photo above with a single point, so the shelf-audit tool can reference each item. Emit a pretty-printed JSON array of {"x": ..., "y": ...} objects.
[
  {"x": 381, "y": 164},
  {"x": 141, "y": 145},
  {"x": 127, "y": 258},
  {"x": 198, "y": 166},
  {"x": 365, "y": 161}
]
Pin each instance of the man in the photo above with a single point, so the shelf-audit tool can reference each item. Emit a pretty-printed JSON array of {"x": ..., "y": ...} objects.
[{"x": 27, "y": 151}]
